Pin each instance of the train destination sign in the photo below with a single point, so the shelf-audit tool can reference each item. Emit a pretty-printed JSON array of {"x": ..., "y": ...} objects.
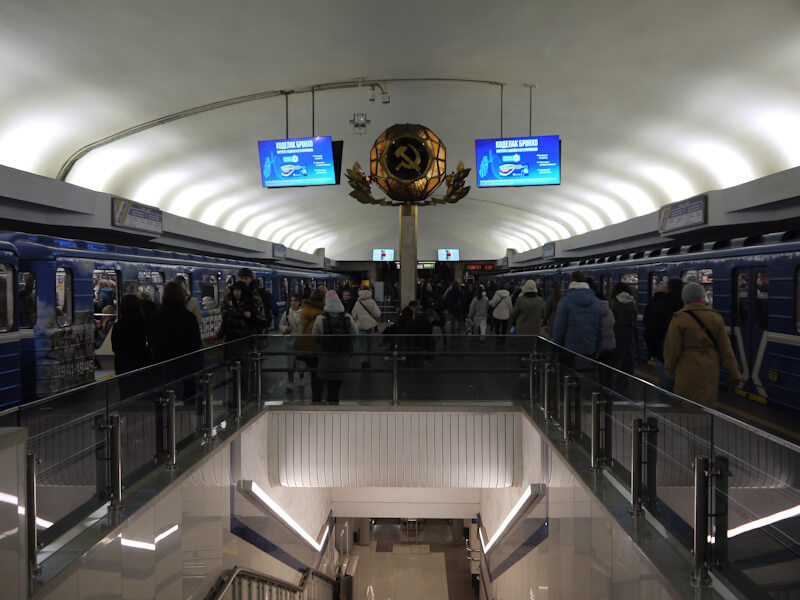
[
  {"x": 297, "y": 162},
  {"x": 681, "y": 215},
  {"x": 511, "y": 162}
]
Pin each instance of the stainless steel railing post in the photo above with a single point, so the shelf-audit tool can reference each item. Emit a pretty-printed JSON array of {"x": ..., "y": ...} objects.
[
  {"x": 236, "y": 369},
  {"x": 720, "y": 511},
  {"x": 208, "y": 424},
  {"x": 651, "y": 460},
  {"x": 30, "y": 516},
  {"x": 636, "y": 467},
  {"x": 548, "y": 370},
  {"x": 395, "y": 358},
  {"x": 700, "y": 564},
  {"x": 531, "y": 376},
  {"x": 596, "y": 459},
  {"x": 115, "y": 436},
  {"x": 255, "y": 363},
  {"x": 172, "y": 451},
  {"x": 569, "y": 383}
]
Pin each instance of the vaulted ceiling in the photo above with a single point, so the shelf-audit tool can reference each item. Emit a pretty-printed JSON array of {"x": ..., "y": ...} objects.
[{"x": 654, "y": 102}]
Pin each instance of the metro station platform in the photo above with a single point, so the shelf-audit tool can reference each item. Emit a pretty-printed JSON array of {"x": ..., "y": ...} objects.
[{"x": 509, "y": 467}]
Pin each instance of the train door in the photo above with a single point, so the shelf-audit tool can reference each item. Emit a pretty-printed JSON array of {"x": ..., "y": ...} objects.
[{"x": 750, "y": 324}]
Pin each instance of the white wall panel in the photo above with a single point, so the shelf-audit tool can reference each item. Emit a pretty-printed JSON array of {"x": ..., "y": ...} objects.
[{"x": 395, "y": 449}]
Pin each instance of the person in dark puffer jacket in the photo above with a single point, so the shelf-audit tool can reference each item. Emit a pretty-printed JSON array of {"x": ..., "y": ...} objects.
[{"x": 578, "y": 325}]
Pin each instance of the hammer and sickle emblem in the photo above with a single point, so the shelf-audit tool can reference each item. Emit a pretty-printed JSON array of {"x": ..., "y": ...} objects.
[{"x": 409, "y": 163}]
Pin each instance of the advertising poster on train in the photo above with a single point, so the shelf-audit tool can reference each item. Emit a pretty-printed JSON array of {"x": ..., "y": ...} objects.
[
  {"x": 297, "y": 162},
  {"x": 511, "y": 162}
]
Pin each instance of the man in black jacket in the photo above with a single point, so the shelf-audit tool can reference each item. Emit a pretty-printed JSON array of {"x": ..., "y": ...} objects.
[{"x": 657, "y": 316}]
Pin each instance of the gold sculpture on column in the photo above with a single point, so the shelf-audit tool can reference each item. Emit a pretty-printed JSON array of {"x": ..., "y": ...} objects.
[{"x": 408, "y": 163}]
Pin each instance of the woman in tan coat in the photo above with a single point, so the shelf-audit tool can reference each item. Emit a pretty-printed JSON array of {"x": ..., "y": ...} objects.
[{"x": 691, "y": 355}]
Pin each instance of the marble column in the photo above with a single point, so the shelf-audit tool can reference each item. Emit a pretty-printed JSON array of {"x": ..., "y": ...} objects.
[{"x": 408, "y": 254}]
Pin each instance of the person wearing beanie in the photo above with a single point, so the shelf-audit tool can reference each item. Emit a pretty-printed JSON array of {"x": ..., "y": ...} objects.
[
  {"x": 695, "y": 338},
  {"x": 332, "y": 331},
  {"x": 579, "y": 320},
  {"x": 528, "y": 311}
]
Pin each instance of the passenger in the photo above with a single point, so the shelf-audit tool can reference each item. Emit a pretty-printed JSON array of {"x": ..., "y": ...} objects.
[
  {"x": 129, "y": 337},
  {"x": 291, "y": 325},
  {"x": 527, "y": 313},
  {"x": 104, "y": 325},
  {"x": 333, "y": 331},
  {"x": 421, "y": 340},
  {"x": 175, "y": 330},
  {"x": 27, "y": 303},
  {"x": 270, "y": 308},
  {"x": 306, "y": 347},
  {"x": 625, "y": 321},
  {"x": 657, "y": 316},
  {"x": 192, "y": 304},
  {"x": 432, "y": 299},
  {"x": 366, "y": 314},
  {"x": 241, "y": 317},
  {"x": 609, "y": 342},
  {"x": 551, "y": 309},
  {"x": 246, "y": 278},
  {"x": 578, "y": 324},
  {"x": 479, "y": 312},
  {"x": 695, "y": 338},
  {"x": 454, "y": 303},
  {"x": 105, "y": 295},
  {"x": 347, "y": 300},
  {"x": 501, "y": 305}
]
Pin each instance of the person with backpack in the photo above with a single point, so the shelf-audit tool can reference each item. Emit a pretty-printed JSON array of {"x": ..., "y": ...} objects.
[
  {"x": 366, "y": 314},
  {"x": 501, "y": 311},
  {"x": 332, "y": 331}
]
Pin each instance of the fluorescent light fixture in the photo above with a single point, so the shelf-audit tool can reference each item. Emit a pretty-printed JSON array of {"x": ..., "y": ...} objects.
[
  {"x": 139, "y": 545},
  {"x": 509, "y": 517},
  {"x": 8, "y": 498},
  {"x": 252, "y": 488},
  {"x": 764, "y": 521},
  {"x": 166, "y": 533}
]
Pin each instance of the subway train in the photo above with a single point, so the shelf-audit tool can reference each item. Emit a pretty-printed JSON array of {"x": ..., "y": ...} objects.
[
  {"x": 754, "y": 283},
  {"x": 47, "y": 305}
]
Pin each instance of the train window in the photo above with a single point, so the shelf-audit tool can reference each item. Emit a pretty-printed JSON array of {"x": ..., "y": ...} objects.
[
  {"x": 606, "y": 282},
  {"x": 655, "y": 279},
  {"x": 63, "y": 297},
  {"x": 762, "y": 299},
  {"x": 209, "y": 291},
  {"x": 797, "y": 300},
  {"x": 106, "y": 290},
  {"x": 152, "y": 284},
  {"x": 26, "y": 292},
  {"x": 742, "y": 297},
  {"x": 632, "y": 279},
  {"x": 187, "y": 277},
  {"x": 704, "y": 277},
  {"x": 6, "y": 297}
]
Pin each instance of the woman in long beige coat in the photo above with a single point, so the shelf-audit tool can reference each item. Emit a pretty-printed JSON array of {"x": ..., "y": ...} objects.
[{"x": 690, "y": 355}]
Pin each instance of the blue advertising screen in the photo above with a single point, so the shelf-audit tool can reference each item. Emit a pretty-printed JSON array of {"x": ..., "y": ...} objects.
[
  {"x": 383, "y": 254},
  {"x": 448, "y": 254},
  {"x": 297, "y": 162},
  {"x": 518, "y": 161}
]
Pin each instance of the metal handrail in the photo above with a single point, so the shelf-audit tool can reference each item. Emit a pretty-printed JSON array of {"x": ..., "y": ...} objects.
[{"x": 268, "y": 579}]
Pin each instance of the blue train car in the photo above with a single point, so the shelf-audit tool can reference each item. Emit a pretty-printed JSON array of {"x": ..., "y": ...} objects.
[
  {"x": 61, "y": 293},
  {"x": 754, "y": 283},
  {"x": 9, "y": 326}
]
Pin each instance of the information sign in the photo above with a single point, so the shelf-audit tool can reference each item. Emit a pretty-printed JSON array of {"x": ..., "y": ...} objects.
[
  {"x": 681, "y": 215},
  {"x": 297, "y": 162},
  {"x": 131, "y": 215}
]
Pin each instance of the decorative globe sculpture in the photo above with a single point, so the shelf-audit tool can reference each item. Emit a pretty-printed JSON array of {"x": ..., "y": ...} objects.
[{"x": 408, "y": 163}]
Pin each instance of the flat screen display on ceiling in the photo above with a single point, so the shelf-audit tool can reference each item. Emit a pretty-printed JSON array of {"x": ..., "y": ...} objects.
[
  {"x": 511, "y": 162},
  {"x": 383, "y": 254},
  {"x": 297, "y": 162},
  {"x": 448, "y": 254}
]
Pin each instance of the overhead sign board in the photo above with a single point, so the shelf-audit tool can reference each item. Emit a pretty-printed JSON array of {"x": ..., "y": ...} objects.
[
  {"x": 131, "y": 215},
  {"x": 297, "y": 162},
  {"x": 682, "y": 215},
  {"x": 278, "y": 251},
  {"x": 549, "y": 250}
]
